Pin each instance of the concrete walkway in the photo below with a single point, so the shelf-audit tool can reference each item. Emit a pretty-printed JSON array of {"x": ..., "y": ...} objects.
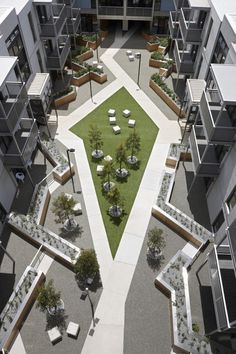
[{"x": 117, "y": 274}]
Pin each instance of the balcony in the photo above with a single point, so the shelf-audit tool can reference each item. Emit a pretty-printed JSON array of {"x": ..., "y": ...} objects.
[
  {"x": 56, "y": 59},
  {"x": 190, "y": 29},
  {"x": 174, "y": 25},
  {"x": 205, "y": 161},
  {"x": 73, "y": 21},
  {"x": 20, "y": 150},
  {"x": 223, "y": 286},
  {"x": 111, "y": 11},
  {"x": 217, "y": 123},
  {"x": 52, "y": 26},
  {"x": 183, "y": 59},
  {"x": 180, "y": 3},
  {"x": 139, "y": 11},
  {"x": 12, "y": 106}
]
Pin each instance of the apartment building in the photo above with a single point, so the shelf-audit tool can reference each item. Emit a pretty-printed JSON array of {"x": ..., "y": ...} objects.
[
  {"x": 35, "y": 40},
  {"x": 153, "y": 14},
  {"x": 204, "y": 35}
]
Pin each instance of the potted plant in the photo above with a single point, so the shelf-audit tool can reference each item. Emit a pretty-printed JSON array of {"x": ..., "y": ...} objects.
[
  {"x": 87, "y": 265},
  {"x": 49, "y": 299},
  {"x": 155, "y": 243},
  {"x": 108, "y": 171},
  {"x": 116, "y": 200},
  {"x": 63, "y": 208},
  {"x": 133, "y": 144},
  {"x": 95, "y": 139},
  {"x": 121, "y": 158}
]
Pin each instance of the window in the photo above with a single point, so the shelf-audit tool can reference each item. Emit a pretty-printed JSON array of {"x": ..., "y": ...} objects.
[
  {"x": 221, "y": 51},
  {"x": 231, "y": 201},
  {"x": 40, "y": 60},
  {"x": 32, "y": 26},
  {"x": 208, "y": 33},
  {"x": 218, "y": 221}
]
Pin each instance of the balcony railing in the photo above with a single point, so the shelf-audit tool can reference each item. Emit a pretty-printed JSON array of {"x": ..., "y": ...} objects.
[
  {"x": 204, "y": 158},
  {"x": 180, "y": 3},
  {"x": 55, "y": 60},
  {"x": 12, "y": 106},
  {"x": 53, "y": 26},
  {"x": 139, "y": 11},
  {"x": 174, "y": 24},
  {"x": 183, "y": 59},
  {"x": 111, "y": 10},
  {"x": 72, "y": 22},
  {"x": 216, "y": 121},
  {"x": 20, "y": 150},
  {"x": 191, "y": 31}
]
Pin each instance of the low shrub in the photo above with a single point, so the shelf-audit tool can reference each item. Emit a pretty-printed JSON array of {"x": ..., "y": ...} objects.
[
  {"x": 89, "y": 37},
  {"x": 63, "y": 92},
  {"x": 81, "y": 72},
  {"x": 79, "y": 51},
  {"x": 158, "y": 80},
  {"x": 163, "y": 41},
  {"x": 157, "y": 56}
]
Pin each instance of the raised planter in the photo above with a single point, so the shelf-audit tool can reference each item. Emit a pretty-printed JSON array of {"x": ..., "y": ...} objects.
[
  {"x": 115, "y": 211},
  {"x": 100, "y": 78},
  {"x": 163, "y": 72},
  {"x": 177, "y": 152},
  {"x": 69, "y": 97},
  {"x": 152, "y": 47},
  {"x": 156, "y": 63},
  {"x": 161, "y": 49},
  {"x": 97, "y": 154},
  {"x": 167, "y": 99},
  {"x": 62, "y": 175},
  {"x": 39, "y": 203},
  {"x": 90, "y": 44},
  {"x": 85, "y": 56},
  {"x": 79, "y": 81},
  {"x": 148, "y": 37},
  {"x": 19, "y": 305}
]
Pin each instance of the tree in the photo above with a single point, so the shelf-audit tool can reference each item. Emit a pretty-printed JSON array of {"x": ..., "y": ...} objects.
[
  {"x": 156, "y": 241},
  {"x": 121, "y": 155},
  {"x": 48, "y": 297},
  {"x": 108, "y": 171},
  {"x": 87, "y": 265},
  {"x": 95, "y": 138},
  {"x": 116, "y": 200},
  {"x": 63, "y": 208},
  {"x": 133, "y": 143}
]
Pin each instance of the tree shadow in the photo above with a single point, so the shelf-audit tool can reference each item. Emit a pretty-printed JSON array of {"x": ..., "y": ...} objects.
[
  {"x": 155, "y": 264},
  {"x": 122, "y": 180},
  {"x": 82, "y": 283},
  {"x": 58, "y": 320},
  {"x": 135, "y": 166},
  {"x": 73, "y": 234},
  {"x": 116, "y": 220}
]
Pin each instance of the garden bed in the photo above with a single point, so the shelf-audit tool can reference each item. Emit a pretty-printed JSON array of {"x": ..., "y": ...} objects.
[
  {"x": 156, "y": 63},
  {"x": 152, "y": 47},
  {"x": 65, "y": 98},
  {"x": 39, "y": 203},
  {"x": 19, "y": 305},
  {"x": 177, "y": 152}
]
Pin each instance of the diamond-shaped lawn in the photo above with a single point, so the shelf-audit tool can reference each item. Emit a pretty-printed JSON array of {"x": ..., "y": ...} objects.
[{"x": 144, "y": 127}]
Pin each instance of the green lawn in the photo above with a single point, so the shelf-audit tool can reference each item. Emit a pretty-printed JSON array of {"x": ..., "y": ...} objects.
[{"x": 147, "y": 131}]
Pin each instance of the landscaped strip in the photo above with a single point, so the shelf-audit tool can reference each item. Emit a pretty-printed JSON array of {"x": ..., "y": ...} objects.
[{"x": 147, "y": 130}]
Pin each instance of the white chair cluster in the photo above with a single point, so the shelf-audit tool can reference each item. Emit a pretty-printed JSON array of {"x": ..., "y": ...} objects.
[{"x": 112, "y": 120}]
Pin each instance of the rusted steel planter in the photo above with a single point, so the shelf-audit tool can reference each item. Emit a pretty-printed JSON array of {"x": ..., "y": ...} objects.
[
  {"x": 100, "y": 78},
  {"x": 156, "y": 63},
  {"x": 79, "y": 81},
  {"x": 69, "y": 97},
  {"x": 152, "y": 47}
]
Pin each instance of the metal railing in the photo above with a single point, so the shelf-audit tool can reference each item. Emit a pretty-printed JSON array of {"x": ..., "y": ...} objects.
[
  {"x": 57, "y": 60},
  {"x": 139, "y": 11},
  {"x": 111, "y": 10},
  {"x": 53, "y": 26}
]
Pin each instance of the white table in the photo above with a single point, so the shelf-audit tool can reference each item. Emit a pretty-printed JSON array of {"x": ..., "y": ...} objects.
[
  {"x": 128, "y": 52},
  {"x": 112, "y": 120},
  {"x": 95, "y": 63},
  {"x": 131, "y": 57},
  {"x": 73, "y": 329},
  {"x": 116, "y": 129},
  {"x": 100, "y": 169},
  {"x": 131, "y": 123},
  {"x": 77, "y": 209},
  {"x": 108, "y": 158},
  {"x": 54, "y": 335},
  {"x": 100, "y": 67},
  {"x": 126, "y": 113},
  {"x": 111, "y": 112}
]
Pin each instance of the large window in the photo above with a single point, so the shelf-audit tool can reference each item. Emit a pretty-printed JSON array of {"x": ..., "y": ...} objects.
[
  {"x": 231, "y": 201},
  {"x": 221, "y": 51},
  {"x": 16, "y": 48}
]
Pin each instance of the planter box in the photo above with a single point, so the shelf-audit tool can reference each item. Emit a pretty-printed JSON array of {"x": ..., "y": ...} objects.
[
  {"x": 152, "y": 47},
  {"x": 148, "y": 37},
  {"x": 103, "y": 34},
  {"x": 166, "y": 99},
  {"x": 156, "y": 63},
  {"x": 100, "y": 78},
  {"x": 164, "y": 72},
  {"x": 92, "y": 45},
  {"x": 23, "y": 311},
  {"x": 69, "y": 97},
  {"x": 161, "y": 49},
  {"x": 63, "y": 176},
  {"x": 79, "y": 81},
  {"x": 85, "y": 56}
]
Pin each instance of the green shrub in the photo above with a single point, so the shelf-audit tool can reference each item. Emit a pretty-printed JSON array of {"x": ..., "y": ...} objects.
[
  {"x": 89, "y": 37},
  {"x": 158, "y": 80},
  {"x": 164, "y": 41},
  {"x": 63, "y": 92},
  {"x": 79, "y": 51},
  {"x": 157, "y": 56},
  {"x": 81, "y": 72},
  {"x": 195, "y": 327}
]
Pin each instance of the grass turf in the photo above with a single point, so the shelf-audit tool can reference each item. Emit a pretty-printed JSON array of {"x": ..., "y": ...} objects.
[{"x": 128, "y": 188}]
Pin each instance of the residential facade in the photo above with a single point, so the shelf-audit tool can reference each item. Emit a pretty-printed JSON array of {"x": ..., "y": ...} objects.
[{"x": 204, "y": 36}]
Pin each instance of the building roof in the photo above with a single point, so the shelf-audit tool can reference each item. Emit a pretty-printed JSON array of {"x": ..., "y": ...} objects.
[
  {"x": 4, "y": 12},
  {"x": 224, "y": 77},
  {"x": 38, "y": 84},
  {"x": 18, "y": 4},
  {"x": 232, "y": 20},
  {"x": 6, "y": 65},
  {"x": 203, "y": 4},
  {"x": 195, "y": 88},
  {"x": 224, "y": 7}
]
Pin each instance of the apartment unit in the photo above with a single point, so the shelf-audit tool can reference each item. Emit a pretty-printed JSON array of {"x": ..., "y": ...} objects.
[
  {"x": 204, "y": 35},
  {"x": 35, "y": 40},
  {"x": 152, "y": 13}
]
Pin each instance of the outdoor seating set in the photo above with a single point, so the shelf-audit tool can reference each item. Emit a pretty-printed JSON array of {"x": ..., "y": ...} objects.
[
  {"x": 130, "y": 55},
  {"x": 55, "y": 334},
  {"x": 112, "y": 120}
]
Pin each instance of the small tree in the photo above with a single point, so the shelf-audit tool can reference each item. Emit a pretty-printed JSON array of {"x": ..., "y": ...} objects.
[
  {"x": 116, "y": 200},
  {"x": 63, "y": 208},
  {"x": 156, "y": 241},
  {"x": 95, "y": 138},
  {"x": 87, "y": 265},
  {"x": 121, "y": 155},
  {"x": 48, "y": 297},
  {"x": 108, "y": 171},
  {"x": 133, "y": 143}
]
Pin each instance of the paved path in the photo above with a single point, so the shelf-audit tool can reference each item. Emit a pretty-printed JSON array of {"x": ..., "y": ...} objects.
[{"x": 117, "y": 275}]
